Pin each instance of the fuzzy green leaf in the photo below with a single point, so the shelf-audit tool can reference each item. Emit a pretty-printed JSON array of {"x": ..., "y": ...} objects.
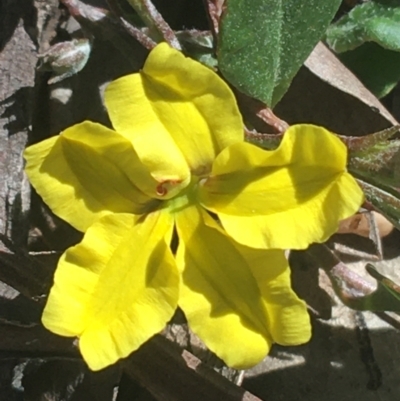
[
  {"x": 375, "y": 161},
  {"x": 263, "y": 43},
  {"x": 376, "y": 67},
  {"x": 385, "y": 298},
  {"x": 375, "y": 21}
]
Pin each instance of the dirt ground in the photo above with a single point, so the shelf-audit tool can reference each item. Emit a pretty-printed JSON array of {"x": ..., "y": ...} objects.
[{"x": 352, "y": 356}]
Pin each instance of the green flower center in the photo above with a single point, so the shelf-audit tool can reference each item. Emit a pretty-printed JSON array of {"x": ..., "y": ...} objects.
[{"x": 186, "y": 197}]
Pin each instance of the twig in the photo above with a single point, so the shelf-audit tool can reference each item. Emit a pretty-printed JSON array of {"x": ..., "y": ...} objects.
[
  {"x": 27, "y": 274},
  {"x": 349, "y": 286},
  {"x": 266, "y": 141},
  {"x": 171, "y": 374},
  {"x": 142, "y": 38},
  {"x": 255, "y": 108},
  {"x": 215, "y": 9},
  {"x": 81, "y": 10},
  {"x": 132, "y": 30},
  {"x": 267, "y": 115},
  {"x": 156, "y": 23}
]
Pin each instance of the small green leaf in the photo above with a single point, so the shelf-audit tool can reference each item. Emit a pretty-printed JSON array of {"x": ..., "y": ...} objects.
[
  {"x": 263, "y": 43},
  {"x": 199, "y": 45},
  {"x": 376, "y": 67},
  {"x": 374, "y": 21},
  {"x": 384, "y": 201},
  {"x": 352, "y": 289},
  {"x": 385, "y": 298},
  {"x": 375, "y": 161},
  {"x": 389, "y": 285}
]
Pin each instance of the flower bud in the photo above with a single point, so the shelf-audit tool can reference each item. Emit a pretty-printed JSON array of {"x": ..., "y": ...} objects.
[{"x": 65, "y": 59}]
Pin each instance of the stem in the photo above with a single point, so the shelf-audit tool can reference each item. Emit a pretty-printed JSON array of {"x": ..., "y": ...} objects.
[
  {"x": 348, "y": 285},
  {"x": 257, "y": 112},
  {"x": 172, "y": 374},
  {"x": 142, "y": 38},
  {"x": 267, "y": 115},
  {"x": 105, "y": 24},
  {"x": 155, "y": 22},
  {"x": 215, "y": 9},
  {"x": 266, "y": 141},
  {"x": 132, "y": 30}
]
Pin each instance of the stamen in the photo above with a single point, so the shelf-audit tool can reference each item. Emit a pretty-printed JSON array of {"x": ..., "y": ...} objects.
[{"x": 161, "y": 190}]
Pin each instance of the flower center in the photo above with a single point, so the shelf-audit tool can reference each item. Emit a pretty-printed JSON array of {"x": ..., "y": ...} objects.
[
  {"x": 168, "y": 188},
  {"x": 186, "y": 197}
]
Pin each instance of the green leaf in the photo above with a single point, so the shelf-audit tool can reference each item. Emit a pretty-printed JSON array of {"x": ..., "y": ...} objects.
[
  {"x": 352, "y": 289},
  {"x": 376, "y": 67},
  {"x": 199, "y": 45},
  {"x": 384, "y": 201},
  {"x": 375, "y": 21},
  {"x": 390, "y": 286},
  {"x": 263, "y": 43},
  {"x": 375, "y": 161},
  {"x": 385, "y": 298}
]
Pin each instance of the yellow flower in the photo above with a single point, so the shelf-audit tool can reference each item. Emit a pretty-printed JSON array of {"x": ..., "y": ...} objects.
[{"x": 177, "y": 158}]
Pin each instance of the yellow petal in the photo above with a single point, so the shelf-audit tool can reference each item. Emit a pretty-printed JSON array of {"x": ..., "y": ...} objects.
[
  {"x": 115, "y": 289},
  {"x": 289, "y": 322},
  {"x": 85, "y": 173},
  {"x": 133, "y": 116},
  {"x": 286, "y": 198},
  {"x": 175, "y": 99},
  {"x": 219, "y": 294}
]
